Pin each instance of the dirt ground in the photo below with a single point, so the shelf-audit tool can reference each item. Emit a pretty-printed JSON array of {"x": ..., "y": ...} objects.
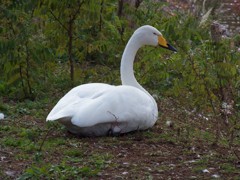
[{"x": 183, "y": 150}]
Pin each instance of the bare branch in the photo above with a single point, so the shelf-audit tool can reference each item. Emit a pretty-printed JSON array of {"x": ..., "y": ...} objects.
[
  {"x": 44, "y": 138},
  {"x": 64, "y": 27},
  {"x": 77, "y": 11}
]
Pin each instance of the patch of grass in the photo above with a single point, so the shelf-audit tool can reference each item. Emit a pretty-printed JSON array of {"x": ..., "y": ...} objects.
[
  {"x": 168, "y": 136},
  {"x": 100, "y": 160},
  {"x": 1, "y": 173},
  {"x": 10, "y": 141},
  {"x": 5, "y": 128},
  {"x": 54, "y": 142},
  {"x": 228, "y": 168},
  {"x": 207, "y": 136},
  {"x": 73, "y": 153},
  {"x": 22, "y": 156},
  {"x": 8, "y": 130},
  {"x": 201, "y": 164},
  {"x": 31, "y": 134},
  {"x": 89, "y": 167},
  {"x": 24, "y": 144},
  {"x": 148, "y": 134},
  {"x": 199, "y": 168}
]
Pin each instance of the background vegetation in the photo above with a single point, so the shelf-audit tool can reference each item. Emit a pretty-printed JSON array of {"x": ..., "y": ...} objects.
[{"x": 47, "y": 47}]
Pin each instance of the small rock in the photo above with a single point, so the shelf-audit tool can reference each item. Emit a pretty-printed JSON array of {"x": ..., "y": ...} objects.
[
  {"x": 10, "y": 173},
  {"x": 193, "y": 177},
  {"x": 169, "y": 123},
  {"x": 191, "y": 161},
  {"x": 205, "y": 171},
  {"x": 148, "y": 168},
  {"x": 134, "y": 164},
  {"x": 124, "y": 173},
  {"x": 99, "y": 174},
  {"x": 1, "y": 116},
  {"x": 2, "y": 158},
  {"x": 215, "y": 176},
  {"x": 160, "y": 171}
]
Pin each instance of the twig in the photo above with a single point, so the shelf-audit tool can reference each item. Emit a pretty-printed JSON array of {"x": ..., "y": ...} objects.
[
  {"x": 5, "y": 152},
  {"x": 101, "y": 18},
  {"x": 44, "y": 139},
  {"x": 77, "y": 11},
  {"x": 234, "y": 152},
  {"x": 209, "y": 98},
  {"x": 205, "y": 85},
  {"x": 58, "y": 20}
]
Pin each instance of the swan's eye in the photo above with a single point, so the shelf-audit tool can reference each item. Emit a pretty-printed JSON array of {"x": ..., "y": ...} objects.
[{"x": 155, "y": 33}]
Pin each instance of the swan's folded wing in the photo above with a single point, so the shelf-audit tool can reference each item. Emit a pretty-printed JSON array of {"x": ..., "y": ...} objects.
[
  {"x": 64, "y": 109},
  {"x": 77, "y": 97},
  {"x": 85, "y": 112}
]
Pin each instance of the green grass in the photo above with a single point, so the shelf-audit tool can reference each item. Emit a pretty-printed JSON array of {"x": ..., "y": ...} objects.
[
  {"x": 229, "y": 167},
  {"x": 65, "y": 169}
]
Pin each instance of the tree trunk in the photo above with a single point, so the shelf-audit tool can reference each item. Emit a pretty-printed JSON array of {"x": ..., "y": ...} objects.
[
  {"x": 122, "y": 4},
  {"x": 101, "y": 18},
  {"x": 70, "y": 41},
  {"x": 27, "y": 73}
]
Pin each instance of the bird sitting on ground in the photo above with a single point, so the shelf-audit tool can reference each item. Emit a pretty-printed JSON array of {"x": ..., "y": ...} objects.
[{"x": 98, "y": 109}]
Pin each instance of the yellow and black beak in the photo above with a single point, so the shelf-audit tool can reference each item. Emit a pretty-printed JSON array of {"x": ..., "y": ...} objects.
[{"x": 163, "y": 43}]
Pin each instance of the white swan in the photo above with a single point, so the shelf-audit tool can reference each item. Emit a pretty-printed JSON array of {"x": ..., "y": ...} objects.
[{"x": 98, "y": 109}]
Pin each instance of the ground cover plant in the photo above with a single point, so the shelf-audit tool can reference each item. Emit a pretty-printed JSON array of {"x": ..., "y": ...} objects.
[{"x": 48, "y": 47}]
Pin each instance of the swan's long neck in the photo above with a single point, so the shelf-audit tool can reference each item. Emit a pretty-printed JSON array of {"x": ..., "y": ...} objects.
[
  {"x": 127, "y": 73},
  {"x": 126, "y": 70}
]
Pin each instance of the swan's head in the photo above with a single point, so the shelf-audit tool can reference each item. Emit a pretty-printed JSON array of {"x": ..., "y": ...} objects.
[{"x": 149, "y": 35}]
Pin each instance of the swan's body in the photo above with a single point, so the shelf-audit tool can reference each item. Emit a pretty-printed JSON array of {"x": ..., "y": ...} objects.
[{"x": 99, "y": 109}]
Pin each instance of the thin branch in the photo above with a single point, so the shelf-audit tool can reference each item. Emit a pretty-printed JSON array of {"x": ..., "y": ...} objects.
[
  {"x": 27, "y": 70},
  {"x": 6, "y": 152},
  {"x": 44, "y": 139},
  {"x": 64, "y": 27},
  {"x": 209, "y": 98},
  {"x": 77, "y": 11},
  {"x": 205, "y": 85},
  {"x": 235, "y": 153},
  {"x": 101, "y": 18}
]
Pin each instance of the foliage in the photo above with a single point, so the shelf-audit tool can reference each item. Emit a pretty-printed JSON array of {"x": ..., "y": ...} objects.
[{"x": 23, "y": 49}]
